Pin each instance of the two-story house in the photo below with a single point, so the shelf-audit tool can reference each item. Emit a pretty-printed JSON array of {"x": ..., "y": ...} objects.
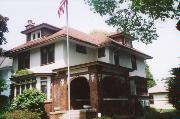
[{"x": 105, "y": 70}]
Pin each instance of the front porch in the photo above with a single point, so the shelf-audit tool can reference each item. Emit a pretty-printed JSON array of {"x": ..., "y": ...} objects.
[{"x": 102, "y": 87}]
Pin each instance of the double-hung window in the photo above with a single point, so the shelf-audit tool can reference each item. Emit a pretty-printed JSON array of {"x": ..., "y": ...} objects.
[
  {"x": 47, "y": 54},
  {"x": 24, "y": 60}
]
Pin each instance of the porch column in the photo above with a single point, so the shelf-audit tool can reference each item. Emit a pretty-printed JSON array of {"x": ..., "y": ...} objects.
[
  {"x": 95, "y": 91},
  {"x": 56, "y": 95},
  {"x": 59, "y": 91}
]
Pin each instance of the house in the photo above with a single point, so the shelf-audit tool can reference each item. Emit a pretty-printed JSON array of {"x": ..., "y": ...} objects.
[
  {"x": 5, "y": 72},
  {"x": 159, "y": 96},
  {"x": 106, "y": 72}
]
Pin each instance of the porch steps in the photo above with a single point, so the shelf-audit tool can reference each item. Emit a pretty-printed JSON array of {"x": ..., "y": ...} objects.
[{"x": 74, "y": 114}]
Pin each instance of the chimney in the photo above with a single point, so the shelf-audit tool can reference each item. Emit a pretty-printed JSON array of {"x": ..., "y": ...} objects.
[{"x": 30, "y": 24}]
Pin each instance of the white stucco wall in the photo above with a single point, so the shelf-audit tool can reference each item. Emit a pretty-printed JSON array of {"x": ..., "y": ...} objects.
[
  {"x": 161, "y": 101},
  {"x": 140, "y": 71},
  {"x": 107, "y": 56},
  {"x": 77, "y": 58}
]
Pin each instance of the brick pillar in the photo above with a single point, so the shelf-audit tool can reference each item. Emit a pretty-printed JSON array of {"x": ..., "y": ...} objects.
[
  {"x": 95, "y": 91},
  {"x": 56, "y": 94},
  {"x": 63, "y": 95}
]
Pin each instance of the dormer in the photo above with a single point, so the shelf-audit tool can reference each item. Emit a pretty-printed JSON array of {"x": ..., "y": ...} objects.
[
  {"x": 119, "y": 37},
  {"x": 34, "y": 32}
]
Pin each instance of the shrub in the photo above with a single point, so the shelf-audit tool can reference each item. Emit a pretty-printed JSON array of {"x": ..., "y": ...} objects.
[
  {"x": 31, "y": 99},
  {"x": 21, "y": 73},
  {"x": 21, "y": 114}
]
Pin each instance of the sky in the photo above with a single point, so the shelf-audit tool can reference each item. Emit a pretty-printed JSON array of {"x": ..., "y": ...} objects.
[{"x": 165, "y": 50}]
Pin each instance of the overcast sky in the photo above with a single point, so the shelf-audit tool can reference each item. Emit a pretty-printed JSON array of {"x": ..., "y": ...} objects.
[{"x": 165, "y": 50}]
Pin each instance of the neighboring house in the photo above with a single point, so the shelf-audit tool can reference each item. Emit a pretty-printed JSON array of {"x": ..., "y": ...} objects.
[
  {"x": 159, "y": 96},
  {"x": 106, "y": 71},
  {"x": 5, "y": 69}
]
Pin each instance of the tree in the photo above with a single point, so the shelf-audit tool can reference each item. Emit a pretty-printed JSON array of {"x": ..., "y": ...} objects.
[
  {"x": 174, "y": 88},
  {"x": 134, "y": 18},
  {"x": 3, "y": 28},
  {"x": 3, "y": 85},
  {"x": 150, "y": 82}
]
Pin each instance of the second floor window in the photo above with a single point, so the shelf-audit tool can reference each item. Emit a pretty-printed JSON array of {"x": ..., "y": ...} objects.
[
  {"x": 116, "y": 58},
  {"x": 81, "y": 49},
  {"x": 24, "y": 60},
  {"x": 133, "y": 61},
  {"x": 47, "y": 54},
  {"x": 101, "y": 52}
]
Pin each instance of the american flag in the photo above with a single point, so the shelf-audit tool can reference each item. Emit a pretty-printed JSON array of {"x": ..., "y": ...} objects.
[{"x": 61, "y": 7}]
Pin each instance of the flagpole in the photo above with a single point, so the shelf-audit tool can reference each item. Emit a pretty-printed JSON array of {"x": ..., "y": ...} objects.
[{"x": 68, "y": 67}]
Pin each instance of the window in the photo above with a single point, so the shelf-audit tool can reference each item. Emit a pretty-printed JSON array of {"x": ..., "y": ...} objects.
[
  {"x": 44, "y": 85},
  {"x": 39, "y": 35},
  {"x": 81, "y": 49},
  {"x": 24, "y": 60},
  {"x": 22, "y": 88},
  {"x": 47, "y": 54},
  {"x": 34, "y": 36},
  {"x": 17, "y": 90},
  {"x": 133, "y": 61},
  {"x": 101, "y": 52},
  {"x": 27, "y": 86},
  {"x": 151, "y": 99},
  {"x": 116, "y": 58}
]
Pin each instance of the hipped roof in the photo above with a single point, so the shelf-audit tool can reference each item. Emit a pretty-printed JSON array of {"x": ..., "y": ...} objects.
[{"x": 97, "y": 40}]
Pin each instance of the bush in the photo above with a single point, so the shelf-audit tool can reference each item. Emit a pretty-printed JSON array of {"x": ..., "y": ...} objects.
[
  {"x": 31, "y": 99},
  {"x": 21, "y": 73},
  {"x": 19, "y": 114}
]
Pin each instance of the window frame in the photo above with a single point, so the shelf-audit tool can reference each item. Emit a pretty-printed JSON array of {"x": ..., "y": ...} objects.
[
  {"x": 116, "y": 58},
  {"x": 49, "y": 56},
  {"x": 101, "y": 52},
  {"x": 81, "y": 49},
  {"x": 24, "y": 60},
  {"x": 134, "y": 62}
]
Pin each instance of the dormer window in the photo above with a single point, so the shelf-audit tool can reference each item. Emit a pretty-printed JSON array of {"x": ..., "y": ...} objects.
[
  {"x": 35, "y": 35},
  {"x": 101, "y": 52}
]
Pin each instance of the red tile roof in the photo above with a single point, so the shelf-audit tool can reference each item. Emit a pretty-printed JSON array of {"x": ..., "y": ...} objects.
[{"x": 98, "y": 40}]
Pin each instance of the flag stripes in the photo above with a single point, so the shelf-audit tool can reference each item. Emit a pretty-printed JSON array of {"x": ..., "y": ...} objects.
[{"x": 61, "y": 7}]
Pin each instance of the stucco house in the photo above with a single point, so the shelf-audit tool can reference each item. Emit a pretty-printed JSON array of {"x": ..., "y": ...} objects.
[
  {"x": 159, "y": 96},
  {"x": 106, "y": 72}
]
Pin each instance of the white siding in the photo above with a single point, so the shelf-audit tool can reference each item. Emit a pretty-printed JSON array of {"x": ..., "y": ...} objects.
[
  {"x": 140, "y": 68},
  {"x": 107, "y": 57},
  {"x": 161, "y": 101},
  {"x": 80, "y": 58},
  {"x": 35, "y": 60}
]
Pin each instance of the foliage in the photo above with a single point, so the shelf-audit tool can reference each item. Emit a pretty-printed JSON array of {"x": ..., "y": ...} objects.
[
  {"x": 31, "y": 99},
  {"x": 173, "y": 88},
  {"x": 178, "y": 24},
  {"x": 4, "y": 104},
  {"x": 3, "y": 28},
  {"x": 135, "y": 18},
  {"x": 150, "y": 82},
  {"x": 21, "y": 73},
  {"x": 21, "y": 114},
  {"x": 154, "y": 114},
  {"x": 3, "y": 85}
]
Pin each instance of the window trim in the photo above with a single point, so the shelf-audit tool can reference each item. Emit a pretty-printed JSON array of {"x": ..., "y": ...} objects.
[
  {"x": 81, "y": 49},
  {"x": 134, "y": 62},
  {"x": 101, "y": 52},
  {"x": 47, "y": 48},
  {"x": 22, "y": 60}
]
